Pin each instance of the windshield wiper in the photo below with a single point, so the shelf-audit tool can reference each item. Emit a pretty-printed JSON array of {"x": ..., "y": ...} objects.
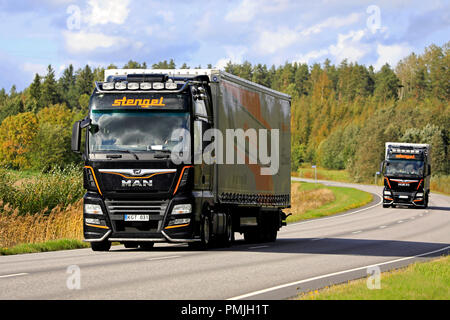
[
  {"x": 162, "y": 154},
  {"x": 118, "y": 156}
]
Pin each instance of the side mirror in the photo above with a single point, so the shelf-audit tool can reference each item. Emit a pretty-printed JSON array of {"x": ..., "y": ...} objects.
[{"x": 76, "y": 137}]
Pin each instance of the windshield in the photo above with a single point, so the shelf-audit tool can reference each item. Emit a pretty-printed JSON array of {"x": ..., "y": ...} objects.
[
  {"x": 135, "y": 131},
  {"x": 400, "y": 167}
]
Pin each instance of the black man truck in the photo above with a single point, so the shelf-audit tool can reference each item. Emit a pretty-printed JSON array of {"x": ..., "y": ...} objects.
[
  {"x": 183, "y": 156},
  {"x": 407, "y": 173}
]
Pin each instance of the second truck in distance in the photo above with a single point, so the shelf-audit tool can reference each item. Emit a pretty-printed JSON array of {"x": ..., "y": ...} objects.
[{"x": 407, "y": 173}]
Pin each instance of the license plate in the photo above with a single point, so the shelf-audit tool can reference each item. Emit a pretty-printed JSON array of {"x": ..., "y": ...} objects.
[
  {"x": 403, "y": 197},
  {"x": 137, "y": 217}
]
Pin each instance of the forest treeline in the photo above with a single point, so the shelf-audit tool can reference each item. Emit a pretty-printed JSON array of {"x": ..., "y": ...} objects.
[{"x": 341, "y": 114}]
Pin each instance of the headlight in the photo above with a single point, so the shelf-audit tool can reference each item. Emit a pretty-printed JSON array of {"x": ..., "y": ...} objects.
[
  {"x": 419, "y": 194},
  {"x": 182, "y": 209},
  {"x": 387, "y": 193},
  {"x": 93, "y": 209}
]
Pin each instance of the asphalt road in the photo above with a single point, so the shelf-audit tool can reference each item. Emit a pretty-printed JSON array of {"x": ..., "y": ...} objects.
[{"x": 306, "y": 256}]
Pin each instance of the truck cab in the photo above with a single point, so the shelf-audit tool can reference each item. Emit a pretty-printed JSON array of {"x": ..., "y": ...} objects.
[{"x": 407, "y": 171}]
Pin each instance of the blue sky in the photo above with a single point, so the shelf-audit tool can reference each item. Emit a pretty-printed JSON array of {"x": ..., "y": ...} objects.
[{"x": 34, "y": 34}]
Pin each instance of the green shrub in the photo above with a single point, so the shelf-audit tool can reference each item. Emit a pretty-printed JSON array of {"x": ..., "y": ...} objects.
[{"x": 43, "y": 191}]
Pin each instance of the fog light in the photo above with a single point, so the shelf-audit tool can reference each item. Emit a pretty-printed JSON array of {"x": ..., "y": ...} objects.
[
  {"x": 179, "y": 221},
  {"x": 92, "y": 221},
  {"x": 121, "y": 85},
  {"x": 158, "y": 85},
  {"x": 108, "y": 86}
]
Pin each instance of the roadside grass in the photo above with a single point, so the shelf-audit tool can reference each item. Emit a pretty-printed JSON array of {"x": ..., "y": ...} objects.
[
  {"x": 419, "y": 281},
  {"x": 323, "y": 174},
  {"x": 53, "y": 245},
  {"x": 310, "y": 200}
]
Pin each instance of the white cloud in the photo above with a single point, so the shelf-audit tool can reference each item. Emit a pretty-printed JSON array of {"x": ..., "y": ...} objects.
[
  {"x": 168, "y": 16},
  {"x": 111, "y": 11},
  {"x": 350, "y": 47},
  {"x": 235, "y": 54},
  {"x": 333, "y": 22},
  {"x": 79, "y": 42},
  {"x": 312, "y": 55},
  {"x": 248, "y": 9},
  {"x": 271, "y": 41},
  {"x": 391, "y": 54},
  {"x": 34, "y": 68}
]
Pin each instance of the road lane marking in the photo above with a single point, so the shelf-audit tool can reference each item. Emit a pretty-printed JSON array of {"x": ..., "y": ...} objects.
[
  {"x": 382, "y": 227},
  {"x": 317, "y": 239},
  {"x": 259, "y": 247},
  {"x": 13, "y": 275},
  {"x": 400, "y": 221},
  {"x": 355, "y": 232},
  {"x": 162, "y": 258},
  {"x": 331, "y": 275}
]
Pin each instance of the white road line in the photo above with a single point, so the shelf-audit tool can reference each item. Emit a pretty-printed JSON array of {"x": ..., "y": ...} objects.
[
  {"x": 400, "y": 221},
  {"x": 162, "y": 258},
  {"x": 317, "y": 239},
  {"x": 13, "y": 275},
  {"x": 259, "y": 247},
  {"x": 355, "y": 232},
  {"x": 382, "y": 227},
  {"x": 331, "y": 275}
]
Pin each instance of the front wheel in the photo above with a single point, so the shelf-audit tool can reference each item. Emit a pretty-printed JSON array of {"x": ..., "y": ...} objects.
[
  {"x": 205, "y": 234},
  {"x": 101, "y": 246}
]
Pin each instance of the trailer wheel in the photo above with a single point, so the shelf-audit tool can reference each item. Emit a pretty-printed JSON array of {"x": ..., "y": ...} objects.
[
  {"x": 101, "y": 246},
  {"x": 227, "y": 238},
  {"x": 146, "y": 245}
]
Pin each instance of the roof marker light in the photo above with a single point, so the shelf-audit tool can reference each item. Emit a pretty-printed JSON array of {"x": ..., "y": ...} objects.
[
  {"x": 158, "y": 85},
  {"x": 171, "y": 86},
  {"x": 108, "y": 86},
  {"x": 146, "y": 86},
  {"x": 121, "y": 86},
  {"x": 133, "y": 86}
]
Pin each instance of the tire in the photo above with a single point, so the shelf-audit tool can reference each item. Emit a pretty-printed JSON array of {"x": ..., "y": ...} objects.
[
  {"x": 426, "y": 201},
  {"x": 227, "y": 239},
  {"x": 253, "y": 236},
  {"x": 271, "y": 235},
  {"x": 131, "y": 245},
  {"x": 386, "y": 205},
  {"x": 146, "y": 245},
  {"x": 205, "y": 235},
  {"x": 101, "y": 246}
]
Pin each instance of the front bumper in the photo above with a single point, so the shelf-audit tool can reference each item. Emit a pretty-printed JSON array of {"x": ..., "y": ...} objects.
[
  {"x": 404, "y": 198},
  {"x": 114, "y": 228}
]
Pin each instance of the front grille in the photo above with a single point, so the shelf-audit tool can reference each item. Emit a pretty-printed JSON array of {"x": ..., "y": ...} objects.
[{"x": 117, "y": 209}]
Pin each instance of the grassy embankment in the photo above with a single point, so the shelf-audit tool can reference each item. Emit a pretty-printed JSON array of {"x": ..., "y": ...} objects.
[
  {"x": 310, "y": 200},
  {"x": 440, "y": 184},
  {"x": 40, "y": 212},
  {"x": 419, "y": 281}
]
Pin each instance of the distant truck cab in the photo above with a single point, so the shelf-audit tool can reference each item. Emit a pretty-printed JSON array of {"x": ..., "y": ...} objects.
[
  {"x": 407, "y": 173},
  {"x": 183, "y": 156}
]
